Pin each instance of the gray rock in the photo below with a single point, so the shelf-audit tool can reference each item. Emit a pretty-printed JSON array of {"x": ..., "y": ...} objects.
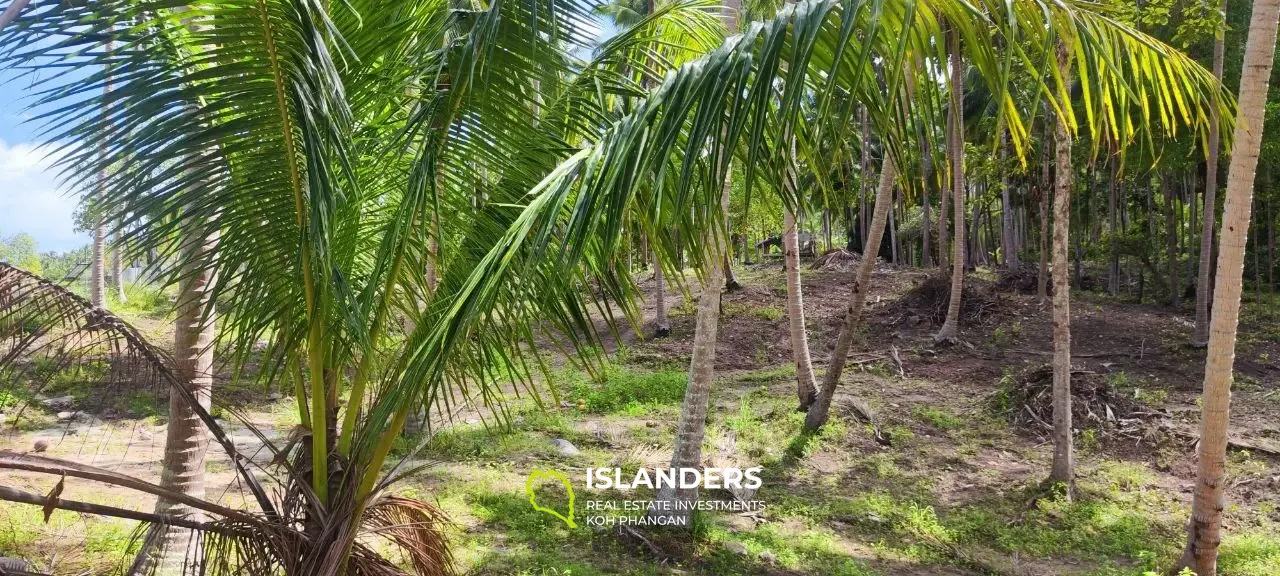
[
  {"x": 565, "y": 447},
  {"x": 769, "y": 557},
  {"x": 66, "y": 416},
  {"x": 59, "y": 402},
  {"x": 736, "y": 547}
]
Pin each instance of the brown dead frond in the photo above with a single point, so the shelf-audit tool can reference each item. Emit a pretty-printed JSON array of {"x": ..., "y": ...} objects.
[{"x": 416, "y": 528}]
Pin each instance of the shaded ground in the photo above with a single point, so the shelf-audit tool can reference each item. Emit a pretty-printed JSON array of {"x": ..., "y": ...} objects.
[{"x": 954, "y": 493}]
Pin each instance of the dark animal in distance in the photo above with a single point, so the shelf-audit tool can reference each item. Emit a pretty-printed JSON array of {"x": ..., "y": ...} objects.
[{"x": 804, "y": 239}]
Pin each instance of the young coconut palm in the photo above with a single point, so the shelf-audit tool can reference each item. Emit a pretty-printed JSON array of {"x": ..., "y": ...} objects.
[{"x": 316, "y": 146}]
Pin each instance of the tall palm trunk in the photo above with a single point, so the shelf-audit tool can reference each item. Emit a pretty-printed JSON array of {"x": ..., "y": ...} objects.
[
  {"x": 1046, "y": 191},
  {"x": 863, "y": 181},
  {"x": 1200, "y": 335},
  {"x": 117, "y": 268},
  {"x": 1113, "y": 280},
  {"x": 1008, "y": 239},
  {"x": 926, "y": 172},
  {"x": 1063, "y": 455},
  {"x": 97, "y": 269},
  {"x": 186, "y": 441},
  {"x": 692, "y": 429},
  {"x": 661, "y": 323},
  {"x": 955, "y": 149},
  {"x": 805, "y": 383},
  {"x": 1205, "y": 530},
  {"x": 819, "y": 411},
  {"x": 1171, "y": 239}
]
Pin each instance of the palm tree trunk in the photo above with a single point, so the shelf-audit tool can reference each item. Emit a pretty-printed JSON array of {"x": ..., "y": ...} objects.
[
  {"x": 117, "y": 269},
  {"x": 863, "y": 181},
  {"x": 821, "y": 408},
  {"x": 97, "y": 272},
  {"x": 186, "y": 442},
  {"x": 1046, "y": 191},
  {"x": 661, "y": 324},
  {"x": 687, "y": 452},
  {"x": 1171, "y": 240},
  {"x": 926, "y": 173},
  {"x": 1113, "y": 278},
  {"x": 1063, "y": 457},
  {"x": 697, "y": 397},
  {"x": 805, "y": 384},
  {"x": 893, "y": 227},
  {"x": 1200, "y": 335},
  {"x": 955, "y": 149},
  {"x": 1008, "y": 242},
  {"x": 1205, "y": 529}
]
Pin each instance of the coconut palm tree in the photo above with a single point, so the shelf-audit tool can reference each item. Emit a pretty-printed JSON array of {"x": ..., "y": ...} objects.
[
  {"x": 334, "y": 130},
  {"x": 955, "y": 157},
  {"x": 1205, "y": 530},
  {"x": 1063, "y": 469},
  {"x": 1200, "y": 334}
]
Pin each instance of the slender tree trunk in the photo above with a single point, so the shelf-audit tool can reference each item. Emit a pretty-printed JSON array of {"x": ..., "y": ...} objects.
[
  {"x": 97, "y": 272},
  {"x": 893, "y": 227},
  {"x": 1171, "y": 240},
  {"x": 692, "y": 428},
  {"x": 955, "y": 149},
  {"x": 926, "y": 173},
  {"x": 1063, "y": 456},
  {"x": 117, "y": 268},
  {"x": 819, "y": 411},
  {"x": 1046, "y": 191},
  {"x": 661, "y": 324},
  {"x": 1205, "y": 529},
  {"x": 1008, "y": 238},
  {"x": 186, "y": 441},
  {"x": 864, "y": 181},
  {"x": 944, "y": 197},
  {"x": 697, "y": 397},
  {"x": 1271, "y": 248},
  {"x": 1200, "y": 335},
  {"x": 1113, "y": 279},
  {"x": 805, "y": 384}
]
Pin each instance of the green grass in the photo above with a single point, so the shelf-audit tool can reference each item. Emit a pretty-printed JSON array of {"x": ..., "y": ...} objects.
[
  {"x": 620, "y": 388},
  {"x": 939, "y": 418},
  {"x": 1252, "y": 553},
  {"x": 77, "y": 543},
  {"x": 141, "y": 300}
]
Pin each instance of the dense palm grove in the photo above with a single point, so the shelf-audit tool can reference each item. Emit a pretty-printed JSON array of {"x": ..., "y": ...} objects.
[{"x": 392, "y": 211}]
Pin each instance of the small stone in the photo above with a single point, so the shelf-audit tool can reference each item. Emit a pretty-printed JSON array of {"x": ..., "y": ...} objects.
[
  {"x": 769, "y": 557},
  {"x": 565, "y": 447},
  {"x": 40, "y": 446},
  {"x": 650, "y": 424},
  {"x": 66, "y": 416},
  {"x": 736, "y": 547}
]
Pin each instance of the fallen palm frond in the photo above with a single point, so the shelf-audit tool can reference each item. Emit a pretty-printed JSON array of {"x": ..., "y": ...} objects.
[{"x": 44, "y": 329}]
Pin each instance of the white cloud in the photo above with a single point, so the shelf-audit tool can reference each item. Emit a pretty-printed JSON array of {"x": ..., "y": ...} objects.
[{"x": 31, "y": 199}]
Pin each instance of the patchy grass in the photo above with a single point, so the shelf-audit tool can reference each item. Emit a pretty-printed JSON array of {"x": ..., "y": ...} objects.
[
  {"x": 69, "y": 543},
  {"x": 620, "y": 388}
]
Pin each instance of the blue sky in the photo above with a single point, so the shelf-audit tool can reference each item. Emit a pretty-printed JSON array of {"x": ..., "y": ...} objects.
[{"x": 32, "y": 199}]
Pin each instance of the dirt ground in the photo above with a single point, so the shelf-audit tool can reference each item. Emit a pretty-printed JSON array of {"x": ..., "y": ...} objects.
[{"x": 955, "y": 491}]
